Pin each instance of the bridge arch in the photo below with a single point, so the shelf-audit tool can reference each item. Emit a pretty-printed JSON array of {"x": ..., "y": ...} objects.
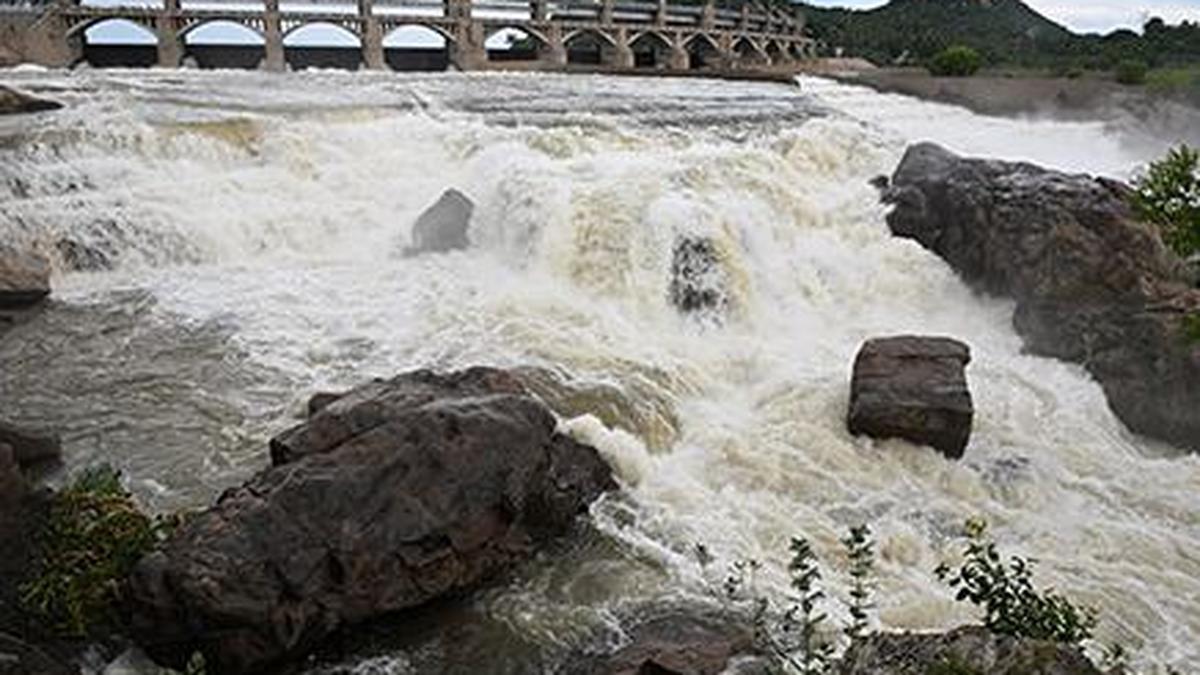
[
  {"x": 221, "y": 43},
  {"x": 775, "y": 52},
  {"x": 589, "y": 46},
  {"x": 115, "y": 30},
  {"x": 514, "y": 43},
  {"x": 322, "y": 44},
  {"x": 651, "y": 49},
  {"x": 416, "y": 47},
  {"x": 749, "y": 52},
  {"x": 703, "y": 51}
]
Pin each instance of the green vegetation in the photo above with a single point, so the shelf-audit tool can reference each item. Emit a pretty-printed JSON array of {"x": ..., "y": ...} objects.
[
  {"x": 860, "y": 549},
  {"x": 1132, "y": 71},
  {"x": 1011, "y": 604},
  {"x": 814, "y": 652},
  {"x": 1168, "y": 196},
  {"x": 1191, "y": 328},
  {"x": 1003, "y": 32},
  {"x": 956, "y": 61},
  {"x": 94, "y": 535}
]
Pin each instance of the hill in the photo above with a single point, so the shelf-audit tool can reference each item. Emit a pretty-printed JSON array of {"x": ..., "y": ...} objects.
[{"x": 1005, "y": 32}]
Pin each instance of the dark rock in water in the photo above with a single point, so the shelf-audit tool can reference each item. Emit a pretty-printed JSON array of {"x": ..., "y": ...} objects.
[
  {"x": 13, "y": 102},
  {"x": 443, "y": 226},
  {"x": 1093, "y": 285},
  {"x": 913, "y": 388},
  {"x": 398, "y": 493},
  {"x": 697, "y": 279},
  {"x": 320, "y": 400},
  {"x": 881, "y": 183},
  {"x": 30, "y": 446},
  {"x": 971, "y": 649},
  {"x": 24, "y": 278},
  {"x": 676, "y": 645},
  {"x": 82, "y": 257},
  {"x": 12, "y": 483}
]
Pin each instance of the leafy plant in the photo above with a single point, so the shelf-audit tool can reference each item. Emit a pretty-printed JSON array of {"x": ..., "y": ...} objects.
[
  {"x": 1132, "y": 71},
  {"x": 956, "y": 61},
  {"x": 1191, "y": 328},
  {"x": 94, "y": 535},
  {"x": 1168, "y": 196},
  {"x": 814, "y": 652},
  {"x": 860, "y": 548},
  {"x": 1005, "y": 591}
]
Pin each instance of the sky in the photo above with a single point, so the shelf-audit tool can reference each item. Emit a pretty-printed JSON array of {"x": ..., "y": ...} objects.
[{"x": 1085, "y": 16}]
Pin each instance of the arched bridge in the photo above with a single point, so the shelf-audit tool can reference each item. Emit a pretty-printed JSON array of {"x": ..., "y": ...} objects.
[{"x": 620, "y": 34}]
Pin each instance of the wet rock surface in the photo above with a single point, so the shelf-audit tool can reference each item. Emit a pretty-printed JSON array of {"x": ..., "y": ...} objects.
[
  {"x": 1093, "y": 285},
  {"x": 13, "y": 102},
  {"x": 676, "y": 644},
  {"x": 400, "y": 492},
  {"x": 24, "y": 278},
  {"x": 443, "y": 226},
  {"x": 914, "y": 388},
  {"x": 30, "y": 446},
  {"x": 972, "y": 650},
  {"x": 697, "y": 280}
]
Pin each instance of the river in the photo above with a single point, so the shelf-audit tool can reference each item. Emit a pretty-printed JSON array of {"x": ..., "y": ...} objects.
[{"x": 255, "y": 224}]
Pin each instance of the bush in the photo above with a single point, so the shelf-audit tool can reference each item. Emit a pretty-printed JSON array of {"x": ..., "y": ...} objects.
[
  {"x": 958, "y": 61},
  {"x": 94, "y": 536},
  {"x": 1011, "y": 604},
  {"x": 1168, "y": 196},
  {"x": 1132, "y": 71}
]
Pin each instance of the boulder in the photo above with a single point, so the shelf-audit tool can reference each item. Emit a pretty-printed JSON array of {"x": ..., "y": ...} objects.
[
  {"x": 1092, "y": 284},
  {"x": 967, "y": 650},
  {"x": 30, "y": 446},
  {"x": 24, "y": 278},
  {"x": 913, "y": 388},
  {"x": 398, "y": 493},
  {"x": 676, "y": 644},
  {"x": 697, "y": 279},
  {"x": 443, "y": 226},
  {"x": 320, "y": 400},
  {"x": 14, "y": 102},
  {"x": 12, "y": 482}
]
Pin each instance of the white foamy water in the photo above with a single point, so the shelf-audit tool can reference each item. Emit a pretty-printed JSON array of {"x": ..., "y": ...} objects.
[{"x": 256, "y": 223}]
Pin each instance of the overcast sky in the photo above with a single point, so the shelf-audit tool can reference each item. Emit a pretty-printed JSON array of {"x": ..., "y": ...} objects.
[{"x": 1085, "y": 15}]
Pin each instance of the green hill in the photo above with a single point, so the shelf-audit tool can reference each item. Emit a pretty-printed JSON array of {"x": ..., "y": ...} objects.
[{"x": 1004, "y": 32}]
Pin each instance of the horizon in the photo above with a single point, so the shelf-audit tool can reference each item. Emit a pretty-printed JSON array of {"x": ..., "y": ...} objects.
[{"x": 1081, "y": 16}]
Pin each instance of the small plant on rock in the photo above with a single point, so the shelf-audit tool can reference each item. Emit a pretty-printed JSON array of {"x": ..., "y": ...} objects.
[
  {"x": 814, "y": 652},
  {"x": 1168, "y": 196},
  {"x": 860, "y": 548},
  {"x": 1005, "y": 591},
  {"x": 93, "y": 537}
]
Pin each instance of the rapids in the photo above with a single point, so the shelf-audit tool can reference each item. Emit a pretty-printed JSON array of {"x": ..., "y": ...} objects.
[{"x": 255, "y": 222}]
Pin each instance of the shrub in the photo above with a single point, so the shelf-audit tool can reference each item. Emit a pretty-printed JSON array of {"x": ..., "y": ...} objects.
[
  {"x": 94, "y": 535},
  {"x": 1191, "y": 328},
  {"x": 861, "y": 551},
  {"x": 957, "y": 61},
  {"x": 1132, "y": 71},
  {"x": 1011, "y": 604},
  {"x": 1168, "y": 196}
]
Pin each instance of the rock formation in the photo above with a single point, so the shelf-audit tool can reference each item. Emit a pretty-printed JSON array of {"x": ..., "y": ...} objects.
[
  {"x": 443, "y": 226},
  {"x": 1093, "y": 285},
  {"x": 972, "y": 649},
  {"x": 674, "y": 644},
  {"x": 913, "y": 388},
  {"x": 13, "y": 102},
  {"x": 400, "y": 492}
]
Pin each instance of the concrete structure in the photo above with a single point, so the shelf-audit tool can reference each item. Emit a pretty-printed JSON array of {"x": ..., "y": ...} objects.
[{"x": 610, "y": 35}]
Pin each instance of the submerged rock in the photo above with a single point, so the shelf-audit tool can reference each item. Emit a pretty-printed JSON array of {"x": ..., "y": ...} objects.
[
  {"x": 81, "y": 257},
  {"x": 400, "y": 492},
  {"x": 676, "y": 644},
  {"x": 697, "y": 279},
  {"x": 443, "y": 226},
  {"x": 30, "y": 446},
  {"x": 13, "y": 102},
  {"x": 24, "y": 278},
  {"x": 913, "y": 388},
  {"x": 1093, "y": 285},
  {"x": 971, "y": 650}
]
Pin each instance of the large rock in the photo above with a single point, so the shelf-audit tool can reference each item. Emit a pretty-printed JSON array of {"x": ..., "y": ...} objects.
[
  {"x": 1093, "y": 285},
  {"x": 964, "y": 651},
  {"x": 397, "y": 493},
  {"x": 13, "y": 102},
  {"x": 443, "y": 226},
  {"x": 913, "y": 388},
  {"x": 24, "y": 278}
]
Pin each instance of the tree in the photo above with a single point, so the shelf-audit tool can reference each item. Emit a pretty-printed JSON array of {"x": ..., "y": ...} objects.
[{"x": 957, "y": 61}]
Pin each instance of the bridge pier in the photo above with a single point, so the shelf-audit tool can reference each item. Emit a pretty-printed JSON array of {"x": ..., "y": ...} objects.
[
  {"x": 274, "y": 59},
  {"x": 555, "y": 52},
  {"x": 467, "y": 51},
  {"x": 621, "y": 54},
  {"x": 677, "y": 59},
  {"x": 170, "y": 46},
  {"x": 372, "y": 36}
]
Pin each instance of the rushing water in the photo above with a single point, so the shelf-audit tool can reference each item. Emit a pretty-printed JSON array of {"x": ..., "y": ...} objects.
[{"x": 255, "y": 223}]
